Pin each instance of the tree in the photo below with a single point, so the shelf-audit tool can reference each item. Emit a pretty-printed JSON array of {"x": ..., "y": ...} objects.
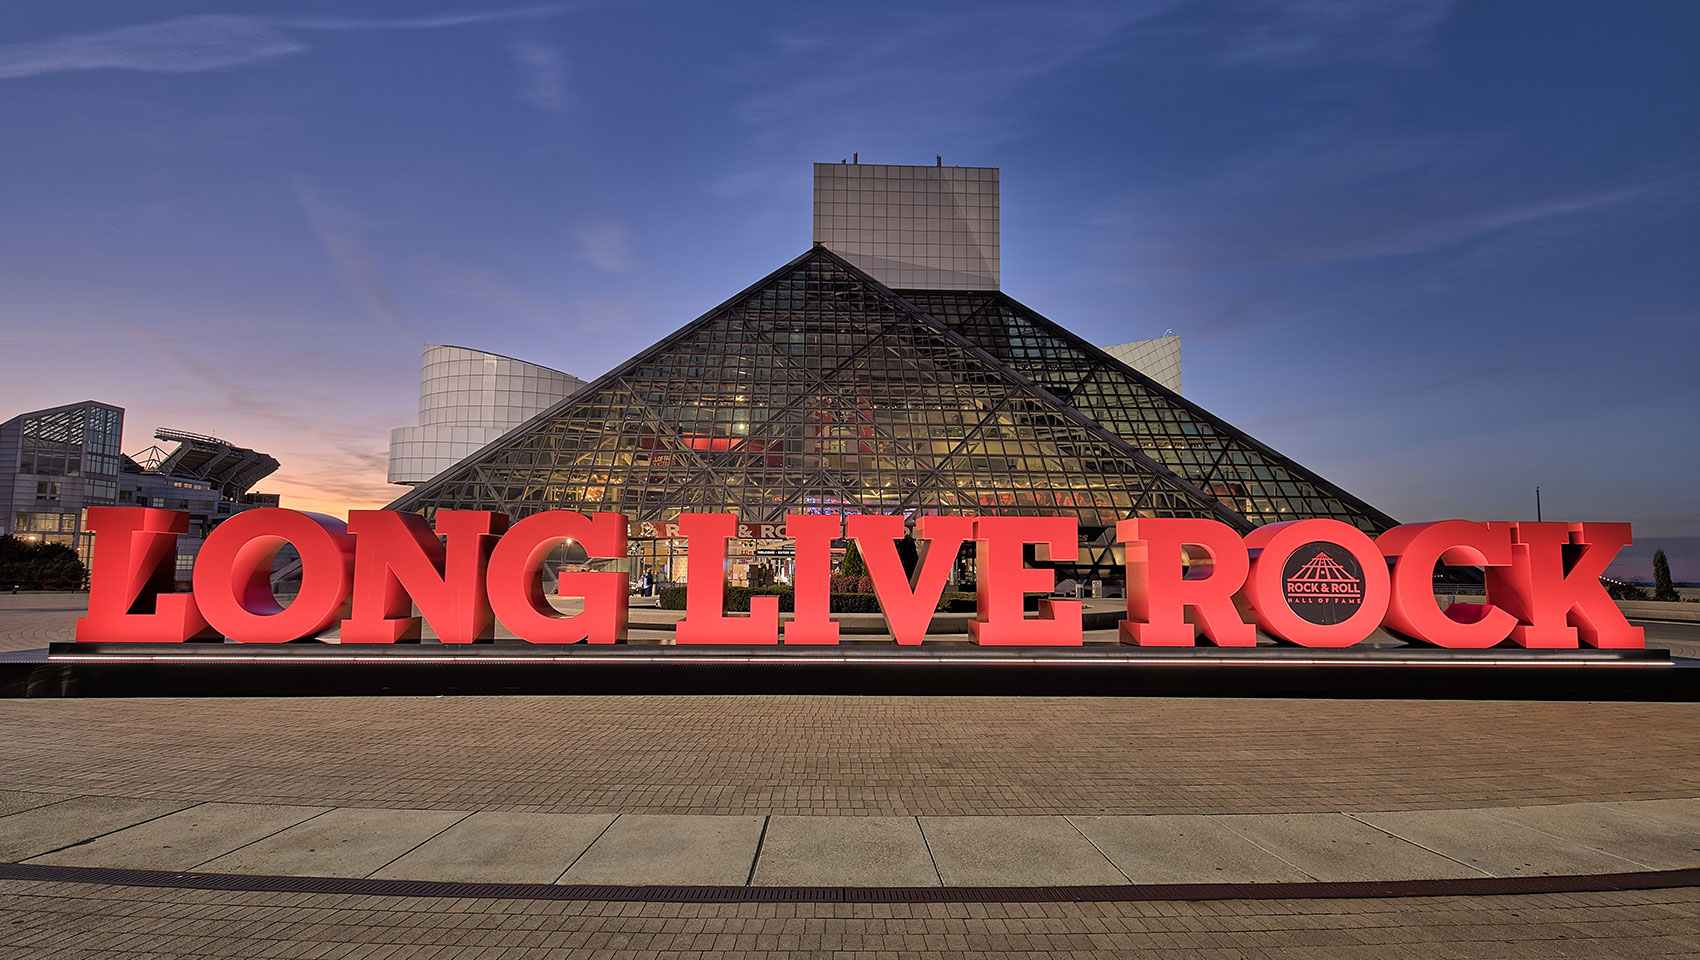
[
  {"x": 51, "y": 565},
  {"x": 852, "y": 565},
  {"x": 1663, "y": 589},
  {"x": 910, "y": 554},
  {"x": 1625, "y": 591}
]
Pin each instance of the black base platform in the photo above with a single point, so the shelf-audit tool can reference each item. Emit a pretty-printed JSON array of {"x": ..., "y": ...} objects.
[{"x": 932, "y": 669}]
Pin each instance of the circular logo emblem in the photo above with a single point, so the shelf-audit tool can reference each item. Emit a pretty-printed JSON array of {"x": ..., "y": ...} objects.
[{"x": 1323, "y": 583}]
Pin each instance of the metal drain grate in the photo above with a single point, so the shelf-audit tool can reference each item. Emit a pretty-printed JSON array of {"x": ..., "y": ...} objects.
[{"x": 1479, "y": 886}]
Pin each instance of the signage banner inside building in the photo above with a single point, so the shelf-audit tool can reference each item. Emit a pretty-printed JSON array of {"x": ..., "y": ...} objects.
[{"x": 1313, "y": 583}]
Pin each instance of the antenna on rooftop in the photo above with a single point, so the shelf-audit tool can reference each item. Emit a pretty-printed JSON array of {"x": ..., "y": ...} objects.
[
  {"x": 856, "y": 158},
  {"x": 938, "y": 160}
]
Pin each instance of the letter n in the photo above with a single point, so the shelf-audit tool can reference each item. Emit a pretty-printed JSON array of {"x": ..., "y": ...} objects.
[{"x": 399, "y": 563}]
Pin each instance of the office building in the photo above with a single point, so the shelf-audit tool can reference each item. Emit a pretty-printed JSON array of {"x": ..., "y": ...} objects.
[{"x": 56, "y": 463}]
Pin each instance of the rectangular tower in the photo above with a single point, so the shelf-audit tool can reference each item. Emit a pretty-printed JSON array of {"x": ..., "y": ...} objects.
[{"x": 933, "y": 228}]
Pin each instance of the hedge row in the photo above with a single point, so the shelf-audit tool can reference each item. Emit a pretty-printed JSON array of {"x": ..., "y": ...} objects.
[
  {"x": 738, "y": 600},
  {"x": 30, "y": 565}
]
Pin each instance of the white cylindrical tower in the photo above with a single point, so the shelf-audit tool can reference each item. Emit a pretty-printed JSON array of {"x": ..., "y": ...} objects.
[{"x": 468, "y": 398}]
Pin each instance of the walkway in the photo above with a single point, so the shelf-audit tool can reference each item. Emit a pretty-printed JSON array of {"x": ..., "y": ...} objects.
[
  {"x": 761, "y": 792},
  {"x": 492, "y": 846}
]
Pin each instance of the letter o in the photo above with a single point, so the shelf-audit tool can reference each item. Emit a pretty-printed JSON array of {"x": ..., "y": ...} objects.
[
  {"x": 1272, "y": 545},
  {"x": 234, "y": 567}
]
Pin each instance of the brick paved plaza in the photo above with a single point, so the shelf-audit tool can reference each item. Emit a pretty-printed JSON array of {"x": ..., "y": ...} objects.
[
  {"x": 947, "y": 761},
  {"x": 854, "y": 755},
  {"x": 74, "y": 920}
]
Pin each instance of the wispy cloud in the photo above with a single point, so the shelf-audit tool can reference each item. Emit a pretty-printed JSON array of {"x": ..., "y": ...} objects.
[
  {"x": 212, "y": 41},
  {"x": 907, "y": 76},
  {"x": 542, "y": 72},
  {"x": 606, "y": 247},
  {"x": 332, "y": 461},
  {"x": 488, "y": 289},
  {"x": 343, "y": 235},
  {"x": 603, "y": 314},
  {"x": 255, "y": 401},
  {"x": 1319, "y": 198},
  {"x": 1298, "y": 33},
  {"x": 1448, "y": 382},
  {"x": 927, "y": 72}
]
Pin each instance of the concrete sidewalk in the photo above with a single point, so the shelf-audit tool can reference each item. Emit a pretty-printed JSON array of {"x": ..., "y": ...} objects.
[{"x": 872, "y": 851}]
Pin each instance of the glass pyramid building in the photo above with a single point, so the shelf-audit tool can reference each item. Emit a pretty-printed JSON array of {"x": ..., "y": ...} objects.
[{"x": 821, "y": 390}]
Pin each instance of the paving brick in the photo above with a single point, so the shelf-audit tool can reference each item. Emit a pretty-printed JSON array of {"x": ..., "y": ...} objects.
[
  {"x": 891, "y": 756},
  {"x": 38, "y": 919}
]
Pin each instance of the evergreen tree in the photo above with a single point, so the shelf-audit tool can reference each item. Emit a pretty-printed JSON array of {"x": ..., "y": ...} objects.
[
  {"x": 1663, "y": 589},
  {"x": 852, "y": 565}
]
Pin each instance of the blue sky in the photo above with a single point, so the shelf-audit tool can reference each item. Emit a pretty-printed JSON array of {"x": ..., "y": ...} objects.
[{"x": 1439, "y": 252}]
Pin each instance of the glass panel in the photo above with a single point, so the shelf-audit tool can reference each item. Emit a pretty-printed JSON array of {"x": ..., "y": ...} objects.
[
  {"x": 816, "y": 391},
  {"x": 1175, "y": 432},
  {"x": 819, "y": 392}
]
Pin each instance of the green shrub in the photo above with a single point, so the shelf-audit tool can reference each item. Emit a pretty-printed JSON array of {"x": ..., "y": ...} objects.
[
  {"x": 32, "y": 565},
  {"x": 1626, "y": 591},
  {"x": 855, "y": 603},
  {"x": 737, "y": 598},
  {"x": 958, "y": 603}
]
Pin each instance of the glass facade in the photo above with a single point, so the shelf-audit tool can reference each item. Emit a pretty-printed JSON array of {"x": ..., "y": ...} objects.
[
  {"x": 54, "y": 464},
  {"x": 1254, "y": 481},
  {"x": 820, "y": 391}
]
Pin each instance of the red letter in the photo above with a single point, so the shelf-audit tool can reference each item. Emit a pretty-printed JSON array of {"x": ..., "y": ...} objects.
[
  {"x": 132, "y": 577},
  {"x": 908, "y": 611},
  {"x": 1553, "y": 586},
  {"x": 705, "y": 588},
  {"x": 233, "y": 575},
  {"x": 813, "y": 533},
  {"x": 1004, "y": 580},
  {"x": 1413, "y": 549},
  {"x": 1340, "y": 606},
  {"x": 398, "y": 562},
  {"x": 516, "y": 578},
  {"x": 1162, "y": 587}
]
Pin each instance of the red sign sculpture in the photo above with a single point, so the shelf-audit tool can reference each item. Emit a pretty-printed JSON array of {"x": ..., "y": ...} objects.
[{"x": 1314, "y": 583}]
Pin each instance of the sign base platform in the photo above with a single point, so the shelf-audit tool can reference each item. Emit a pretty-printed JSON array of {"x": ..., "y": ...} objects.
[{"x": 931, "y": 669}]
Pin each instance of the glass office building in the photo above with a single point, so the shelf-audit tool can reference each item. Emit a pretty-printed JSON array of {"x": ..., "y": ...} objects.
[{"x": 54, "y": 465}]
